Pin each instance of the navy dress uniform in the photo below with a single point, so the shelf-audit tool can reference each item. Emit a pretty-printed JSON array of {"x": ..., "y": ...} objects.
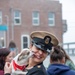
[
  {"x": 44, "y": 41},
  {"x": 38, "y": 69}
]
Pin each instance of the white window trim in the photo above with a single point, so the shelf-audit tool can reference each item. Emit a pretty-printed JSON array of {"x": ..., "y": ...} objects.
[
  {"x": 33, "y": 18},
  {"x": 53, "y": 19},
  {"x": 1, "y": 17},
  {"x": 22, "y": 40},
  {"x": 17, "y": 18}
]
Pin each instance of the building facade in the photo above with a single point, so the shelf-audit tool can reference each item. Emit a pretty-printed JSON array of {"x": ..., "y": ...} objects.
[{"x": 24, "y": 16}]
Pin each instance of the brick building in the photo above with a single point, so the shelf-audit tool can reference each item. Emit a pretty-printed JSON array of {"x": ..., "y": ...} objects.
[{"x": 24, "y": 16}]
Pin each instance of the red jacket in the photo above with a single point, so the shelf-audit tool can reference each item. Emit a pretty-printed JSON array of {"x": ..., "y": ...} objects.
[{"x": 1, "y": 72}]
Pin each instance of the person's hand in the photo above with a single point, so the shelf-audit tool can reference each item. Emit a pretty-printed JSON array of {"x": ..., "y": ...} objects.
[{"x": 7, "y": 68}]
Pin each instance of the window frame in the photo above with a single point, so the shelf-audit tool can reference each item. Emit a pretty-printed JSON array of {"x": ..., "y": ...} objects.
[
  {"x": 51, "y": 19},
  {"x": 19, "y": 17},
  {"x": 35, "y": 18},
  {"x": 23, "y": 42}
]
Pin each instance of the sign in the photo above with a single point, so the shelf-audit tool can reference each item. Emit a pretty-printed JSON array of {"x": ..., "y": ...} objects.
[{"x": 3, "y": 28}]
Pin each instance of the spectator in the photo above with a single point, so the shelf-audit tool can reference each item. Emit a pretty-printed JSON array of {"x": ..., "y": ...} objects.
[
  {"x": 68, "y": 61},
  {"x": 12, "y": 47},
  {"x": 5, "y": 56},
  {"x": 57, "y": 60}
]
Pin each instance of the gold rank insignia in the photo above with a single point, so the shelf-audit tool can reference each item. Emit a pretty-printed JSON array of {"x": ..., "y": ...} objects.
[{"x": 39, "y": 66}]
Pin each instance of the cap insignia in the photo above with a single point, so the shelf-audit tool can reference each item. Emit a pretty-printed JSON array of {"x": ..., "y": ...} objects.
[{"x": 47, "y": 39}]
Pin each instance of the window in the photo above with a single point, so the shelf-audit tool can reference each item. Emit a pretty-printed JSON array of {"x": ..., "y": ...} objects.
[
  {"x": 25, "y": 41},
  {"x": 0, "y": 17},
  {"x": 35, "y": 18},
  {"x": 17, "y": 17},
  {"x": 51, "y": 19}
]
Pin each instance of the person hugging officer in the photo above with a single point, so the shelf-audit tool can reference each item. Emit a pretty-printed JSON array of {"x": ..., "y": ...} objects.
[{"x": 41, "y": 44}]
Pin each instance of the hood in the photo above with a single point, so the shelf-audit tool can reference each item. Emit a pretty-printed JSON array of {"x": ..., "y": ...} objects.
[{"x": 56, "y": 69}]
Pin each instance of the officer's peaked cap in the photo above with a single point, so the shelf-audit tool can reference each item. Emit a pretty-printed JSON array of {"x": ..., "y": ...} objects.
[{"x": 44, "y": 40}]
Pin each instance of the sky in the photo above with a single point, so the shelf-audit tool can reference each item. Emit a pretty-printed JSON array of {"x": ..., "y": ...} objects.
[{"x": 68, "y": 13}]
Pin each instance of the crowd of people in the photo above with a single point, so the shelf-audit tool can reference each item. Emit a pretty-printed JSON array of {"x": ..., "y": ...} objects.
[{"x": 42, "y": 44}]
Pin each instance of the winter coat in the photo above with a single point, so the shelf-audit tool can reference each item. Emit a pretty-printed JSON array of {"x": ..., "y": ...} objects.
[
  {"x": 59, "y": 69},
  {"x": 70, "y": 64}
]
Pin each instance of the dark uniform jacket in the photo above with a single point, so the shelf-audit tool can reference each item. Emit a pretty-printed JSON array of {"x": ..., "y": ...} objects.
[{"x": 36, "y": 70}]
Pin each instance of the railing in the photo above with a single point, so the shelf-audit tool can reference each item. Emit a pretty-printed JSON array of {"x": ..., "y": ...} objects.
[{"x": 69, "y": 48}]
